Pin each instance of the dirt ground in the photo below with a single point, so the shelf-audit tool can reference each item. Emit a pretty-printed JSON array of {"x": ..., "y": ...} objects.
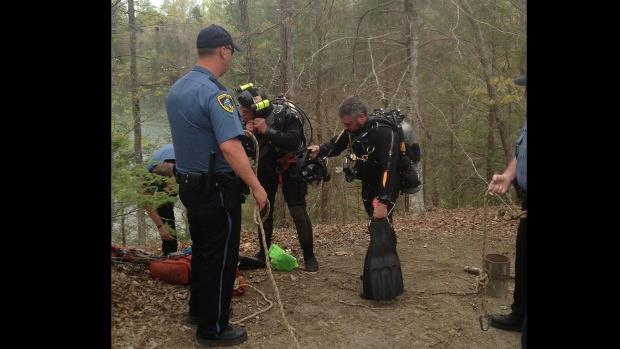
[{"x": 439, "y": 308}]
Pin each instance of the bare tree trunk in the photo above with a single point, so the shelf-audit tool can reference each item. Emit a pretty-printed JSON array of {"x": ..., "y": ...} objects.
[
  {"x": 523, "y": 18},
  {"x": 318, "y": 39},
  {"x": 434, "y": 180},
  {"x": 123, "y": 234},
  {"x": 417, "y": 200},
  {"x": 247, "y": 40},
  {"x": 288, "y": 79},
  {"x": 491, "y": 131},
  {"x": 453, "y": 175},
  {"x": 158, "y": 52},
  {"x": 490, "y": 145},
  {"x": 325, "y": 191},
  {"x": 135, "y": 108},
  {"x": 483, "y": 54}
]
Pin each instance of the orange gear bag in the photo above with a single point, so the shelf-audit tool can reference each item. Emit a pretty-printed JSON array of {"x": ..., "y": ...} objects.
[{"x": 176, "y": 271}]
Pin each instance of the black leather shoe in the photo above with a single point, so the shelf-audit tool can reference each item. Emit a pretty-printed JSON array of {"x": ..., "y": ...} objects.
[
  {"x": 311, "y": 264},
  {"x": 510, "y": 322},
  {"x": 229, "y": 337}
]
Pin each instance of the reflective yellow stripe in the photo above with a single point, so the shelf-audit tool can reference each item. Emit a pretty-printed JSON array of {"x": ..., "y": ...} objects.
[
  {"x": 246, "y": 86},
  {"x": 262, "y": 104},
  {"x": 385, "y": 176}
]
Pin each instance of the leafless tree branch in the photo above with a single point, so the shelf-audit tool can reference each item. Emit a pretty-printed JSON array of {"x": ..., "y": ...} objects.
[
  {"x": 372, "y": 64},
  {"x": 452, "y": 30}
]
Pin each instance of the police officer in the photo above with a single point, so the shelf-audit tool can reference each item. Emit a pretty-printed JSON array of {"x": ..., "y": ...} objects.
[
  {"x": 212, "y": 168},
  {"x": 162, "y": 164},
  {"x": 516, "y": 171},
  {"x": 376, "y": 156},
  {"x": 279, "y": 132}
]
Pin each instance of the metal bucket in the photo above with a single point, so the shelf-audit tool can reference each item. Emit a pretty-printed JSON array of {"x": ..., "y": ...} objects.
[{"x": 498, "y": 271}]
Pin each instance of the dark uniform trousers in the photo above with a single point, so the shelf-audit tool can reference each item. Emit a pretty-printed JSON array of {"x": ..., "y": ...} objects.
[
  {"x": 294, "y": 189},
  {"x": 215, "y": 226},
  {"x": 166, "y": 213}
]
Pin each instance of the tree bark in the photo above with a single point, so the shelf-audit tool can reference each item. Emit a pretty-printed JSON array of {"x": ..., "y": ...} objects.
[
  {"x": 484, "y": 56},
  {"x": 247, "y": 40},
  {"x": 123, "y": 234},
  {"x": 288, "y": 79},
  {"x": 135, "y": 109},
  {"x": 158, "y": 53},
  {"x": 452, "y": 167},
  {"x": 318, "y": 62},
  {"x": 415, "y": 201}
]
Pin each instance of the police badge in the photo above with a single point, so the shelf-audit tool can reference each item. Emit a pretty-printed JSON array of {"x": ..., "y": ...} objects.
[{"x": 226, "y": 102}]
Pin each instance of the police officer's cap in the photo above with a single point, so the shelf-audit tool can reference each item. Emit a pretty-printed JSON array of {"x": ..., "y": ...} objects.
[
  {"x": 214, "y": 36},
  {"x": 521, "y": 80}
]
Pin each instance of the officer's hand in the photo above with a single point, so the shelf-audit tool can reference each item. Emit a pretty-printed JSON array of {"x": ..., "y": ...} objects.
[
  {"x": 314, "y": 151},
  {"x": 499, "y": 184},
  {"x": 260, "y": 195},
  {"x": 163, "y": 233},
  {"x": 260, "y": 125},
  {"x": 379, "y": 209},
  {"x": 249, "y": 126}
]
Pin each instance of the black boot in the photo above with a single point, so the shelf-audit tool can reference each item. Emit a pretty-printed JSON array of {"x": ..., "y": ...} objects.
[
  {"x": 232, "y": 335},
  {"x": 311, "y": 264},
  {"x": 510, "y": 322}
]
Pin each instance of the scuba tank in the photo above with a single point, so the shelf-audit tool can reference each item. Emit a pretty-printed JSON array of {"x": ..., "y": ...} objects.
[{"x": 409, "y": 149}]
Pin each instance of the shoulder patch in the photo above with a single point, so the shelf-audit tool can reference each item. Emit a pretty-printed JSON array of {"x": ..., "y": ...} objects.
[{"x": 226, "y": 102}]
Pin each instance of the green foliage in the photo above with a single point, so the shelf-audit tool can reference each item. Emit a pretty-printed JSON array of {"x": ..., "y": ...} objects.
[
  {"x": 450, "y": 78},
  {"x": 132, "y": 184}
]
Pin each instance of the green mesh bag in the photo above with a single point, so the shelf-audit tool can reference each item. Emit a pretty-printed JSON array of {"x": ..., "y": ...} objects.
[{"x": 280, "y": 260}]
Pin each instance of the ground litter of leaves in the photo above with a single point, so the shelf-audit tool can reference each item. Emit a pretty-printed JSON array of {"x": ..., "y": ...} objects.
[{"x": 439, "y": 308}]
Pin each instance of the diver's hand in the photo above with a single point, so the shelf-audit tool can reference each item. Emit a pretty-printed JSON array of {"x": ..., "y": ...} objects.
[
  {"x": 260, "y": 125},
  {"x": 379, "y": 209},
  {"x": 314, "y": 151},
  {"x": 249, "y": 126}
]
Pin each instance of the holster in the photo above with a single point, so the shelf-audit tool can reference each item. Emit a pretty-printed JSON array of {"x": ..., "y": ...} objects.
[
  {"x": 232, "y": 189},
  {"x": 192, "y": 181}
]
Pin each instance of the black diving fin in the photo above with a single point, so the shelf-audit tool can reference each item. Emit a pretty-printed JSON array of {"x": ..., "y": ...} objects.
[{"x": 382, "y": 278}]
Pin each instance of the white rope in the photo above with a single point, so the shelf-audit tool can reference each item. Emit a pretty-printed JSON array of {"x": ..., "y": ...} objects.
[{"x": 259, "y": 221}]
